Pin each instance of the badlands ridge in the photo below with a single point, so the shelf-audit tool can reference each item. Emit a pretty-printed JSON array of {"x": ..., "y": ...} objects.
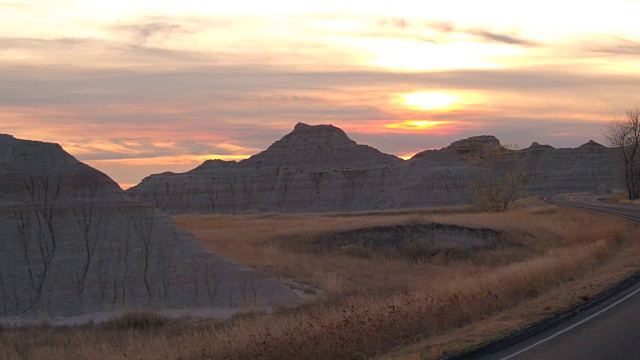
[
  {"x": 319, "y": 169},
  {"x": 73, "y": 244}
]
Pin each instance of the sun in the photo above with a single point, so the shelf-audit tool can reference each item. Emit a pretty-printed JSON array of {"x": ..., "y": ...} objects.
[{"x": 430, "y": 101}]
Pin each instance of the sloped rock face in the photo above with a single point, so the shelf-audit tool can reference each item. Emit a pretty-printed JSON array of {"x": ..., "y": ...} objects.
[
  {"x": 440, "y": 177},
  {"x": 444, "y": 177},
  {"x": 318, "y": 168},
  {"x": 590, "y": 167},
  {"x": 314, "y": 168},
  {"x": 72, "y": 243}
]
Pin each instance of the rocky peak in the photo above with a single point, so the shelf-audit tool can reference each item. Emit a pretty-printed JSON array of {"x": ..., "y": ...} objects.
[
  {"x": 322, "y": 135},
  {"x": 317, "y": 146},
  {"x": 215, "y": 165},
  {"x": 34, "y": 154},
  {"x": 47, "y": 172},
  {"x": 591, "y": 144},
  {"x": 537, "y": 146},
  {"x": 473, "y": 144},
  {"x": 6, "y": 138}
]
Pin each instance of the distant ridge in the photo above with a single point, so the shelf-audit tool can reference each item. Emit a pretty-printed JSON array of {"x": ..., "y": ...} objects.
[{"x": 319, "y": 169}]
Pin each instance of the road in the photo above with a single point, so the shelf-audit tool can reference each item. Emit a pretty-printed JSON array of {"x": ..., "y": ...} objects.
[
  {"x": 610, "y": 330},
  {"x": 593, "y": 203}
]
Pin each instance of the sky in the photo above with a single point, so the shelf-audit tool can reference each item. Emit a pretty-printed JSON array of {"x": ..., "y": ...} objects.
[{"x": 140, "y": 87}]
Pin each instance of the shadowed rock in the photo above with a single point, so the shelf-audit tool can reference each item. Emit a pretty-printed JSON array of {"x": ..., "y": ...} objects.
[
  {"x": 72, "y": 243},
  {"x": 318, "y": 168},
  {"x": 318, "y": 146},
  {"x": 591, "y": 144},
  {"x": 535, "y": 146}
]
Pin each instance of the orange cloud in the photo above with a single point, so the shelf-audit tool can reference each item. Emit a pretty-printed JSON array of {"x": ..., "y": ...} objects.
[
  {"x": 99, "y": 146},
  {"x": 170, "y": 160},
  {"x": 234, "y": 148},
  {"x": 164, "y": 144}
]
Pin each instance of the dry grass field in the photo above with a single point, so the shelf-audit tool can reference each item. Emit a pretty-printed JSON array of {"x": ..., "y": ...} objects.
[{"x": 397, "y": 285}]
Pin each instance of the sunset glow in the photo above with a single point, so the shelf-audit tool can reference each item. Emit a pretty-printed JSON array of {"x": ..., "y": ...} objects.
[
  {"x": 417, "y": 124},
  {"x": 430, "y": 101},
  {"x": 171, "y": 160},
  {"x": 149, "y": 86}
]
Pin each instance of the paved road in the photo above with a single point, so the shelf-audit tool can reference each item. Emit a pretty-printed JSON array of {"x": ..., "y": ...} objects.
[
  {"x": 610, "y": 330},
  {"x": 593, "y": 203}
]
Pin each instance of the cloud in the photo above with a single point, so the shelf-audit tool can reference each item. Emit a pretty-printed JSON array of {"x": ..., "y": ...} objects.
[
  {"x": 149, "y": 148},
  {"x": 482, "y": 34},
  {"x": 617, "y": 46},
  {"x": 231, "y": 89},
  {"x": 443, "y": 26},
  {"x": 501, "y": 38},
  {"x": 159, "y": 31},
  {"x": 440, "y": 32},
  {"x": 48, "y": 44},
  {"x": 399, "y": 23},
  {"x": 95, "y": 52}
]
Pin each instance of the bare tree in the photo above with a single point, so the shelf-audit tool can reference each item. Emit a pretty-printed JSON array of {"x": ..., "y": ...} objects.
[
  {"x": 624, "y": 134},
  {"x": 497, "y": 176}
]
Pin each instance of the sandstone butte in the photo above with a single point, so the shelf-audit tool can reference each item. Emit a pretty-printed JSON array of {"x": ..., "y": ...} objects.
[
  {"x": 319, "y": 169},
  {"x": 73, "y": 244}
]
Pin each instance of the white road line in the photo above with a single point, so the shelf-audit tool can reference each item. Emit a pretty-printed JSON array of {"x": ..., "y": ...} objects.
[{"x": 573, "y": 326}]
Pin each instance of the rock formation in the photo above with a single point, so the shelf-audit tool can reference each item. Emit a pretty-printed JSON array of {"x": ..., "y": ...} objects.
[
  {"x": 590, "y": 167},
  {"x": 318, "y": 168},
  {"x": 72, "y": 243},
  {"x": 537, "y": 146},
  {"x": 314, "y": 168}
]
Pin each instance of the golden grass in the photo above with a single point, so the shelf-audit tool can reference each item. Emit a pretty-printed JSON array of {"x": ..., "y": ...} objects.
[{"x": 374, "y": 304}]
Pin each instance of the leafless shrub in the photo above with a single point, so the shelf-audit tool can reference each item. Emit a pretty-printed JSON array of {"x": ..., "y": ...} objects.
[{"x": 497, "y": 177}]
